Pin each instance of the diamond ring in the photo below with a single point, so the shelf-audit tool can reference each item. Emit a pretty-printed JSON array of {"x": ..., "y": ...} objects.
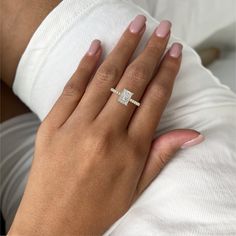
[{"x": 125, "y": 97}]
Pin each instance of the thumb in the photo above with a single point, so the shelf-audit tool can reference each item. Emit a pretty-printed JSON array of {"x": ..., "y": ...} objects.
[{"x": 163, "y": 148}]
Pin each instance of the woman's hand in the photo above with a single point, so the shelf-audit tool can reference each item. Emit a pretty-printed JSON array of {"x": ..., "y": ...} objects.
[{"x": 94, "y": 156}]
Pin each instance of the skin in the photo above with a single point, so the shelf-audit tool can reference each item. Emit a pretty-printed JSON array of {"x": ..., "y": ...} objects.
[
  {"x": 19, "y": 20},
  {"x": 88, "y": 166}
]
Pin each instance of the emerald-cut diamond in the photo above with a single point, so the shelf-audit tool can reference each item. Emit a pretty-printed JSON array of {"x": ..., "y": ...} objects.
[{"x": 125, "y": 96}]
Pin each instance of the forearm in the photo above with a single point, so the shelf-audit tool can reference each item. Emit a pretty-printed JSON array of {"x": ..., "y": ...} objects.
[{"x": 20, "y": 19}]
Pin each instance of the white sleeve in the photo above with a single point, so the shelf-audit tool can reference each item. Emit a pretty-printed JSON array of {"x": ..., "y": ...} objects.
[{"x": 196, "y": 193}]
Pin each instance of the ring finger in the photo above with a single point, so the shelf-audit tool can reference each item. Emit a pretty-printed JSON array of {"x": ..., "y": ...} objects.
[{"x": 137, "y": 76}]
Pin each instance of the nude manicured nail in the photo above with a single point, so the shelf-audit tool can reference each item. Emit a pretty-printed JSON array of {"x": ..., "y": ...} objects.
[
  {"x": 176, "y": 50},
  {"x": 137, "y": 24},
  {"x": 95, "y": 45},
  {"x": 163, "y": 29},
  {"x": 193, "y": 142}
]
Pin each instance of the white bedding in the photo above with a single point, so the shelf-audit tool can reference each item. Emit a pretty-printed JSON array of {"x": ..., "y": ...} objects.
[
  {"x": 202, "y": 24},
  {"x": 196, "y": 193},
  {"x": 194, "y": 20}
]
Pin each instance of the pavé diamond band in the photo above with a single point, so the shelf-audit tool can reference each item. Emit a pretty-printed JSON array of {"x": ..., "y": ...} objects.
[{"x": 125, "y": 97}]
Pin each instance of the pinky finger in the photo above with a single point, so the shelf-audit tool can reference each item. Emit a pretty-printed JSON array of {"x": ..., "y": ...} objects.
[{"x": 75, "y": 87}]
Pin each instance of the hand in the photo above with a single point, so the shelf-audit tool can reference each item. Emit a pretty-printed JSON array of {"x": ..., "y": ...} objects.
[{"x": 93, "y": 155}]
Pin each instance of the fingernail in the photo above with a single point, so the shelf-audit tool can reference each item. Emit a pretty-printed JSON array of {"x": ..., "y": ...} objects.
[
  {"x": 176, "y": 50},
  {"x": 163, "y": 29},
  {"x": 193, "y": 142},
  {"x": 94, "y": 47},
  {"x": 137, "y": 24}
]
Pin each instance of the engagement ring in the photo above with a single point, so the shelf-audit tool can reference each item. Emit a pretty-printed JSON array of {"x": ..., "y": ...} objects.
[{"x": 125, "y": 97}]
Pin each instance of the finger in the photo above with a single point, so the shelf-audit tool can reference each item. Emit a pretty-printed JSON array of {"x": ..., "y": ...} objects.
[
  {"x": 157, "y": 95},
  {"x": 75, "y": 87},
  {"x": 109, "y": 73},
  {"x": 138, "y": 75},
  {"x": 162, "y": 150}
]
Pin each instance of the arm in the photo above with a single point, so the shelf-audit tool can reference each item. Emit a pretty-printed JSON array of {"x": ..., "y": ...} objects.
[{"x": 20, "y": 19}]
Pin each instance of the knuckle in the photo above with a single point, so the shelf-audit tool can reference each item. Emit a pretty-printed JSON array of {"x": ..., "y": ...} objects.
[
  {"x": 171, "y": 67},
  {"x": 161, "y": 92},
  {"x": 124, "y": 47},
  {"x": 71, "y": 89},
  {"x": 107, "y": 73},
  {"x": 139, "y": 152},
  {"x": 102, "y": 141},
  {"x": 105, "y": 133},
  {"x": 138, "y": 72},
  {"x": 139, "y": 149},
  {"x": 154, "y": 51},
  {"x": 84, "y": 70},
  {"x": 163, "y": 159}
]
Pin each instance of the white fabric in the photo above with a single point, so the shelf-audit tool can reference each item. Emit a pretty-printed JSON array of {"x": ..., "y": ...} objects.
[
  {"x": 194, "y": 20},
  {"x": 224, "y": 68},
  {"x": 17, "y": 147},
  {"x": 196, "y": 193}
]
